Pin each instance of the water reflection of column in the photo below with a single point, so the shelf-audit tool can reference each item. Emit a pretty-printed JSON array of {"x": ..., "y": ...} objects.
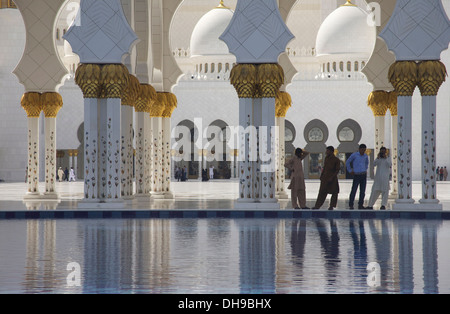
[
  {"x": 405, "y": 256},
  {"x": 430, "y": 255},
  {"x": 32, "y": 255},
  {"x": 257, "y": 253}
]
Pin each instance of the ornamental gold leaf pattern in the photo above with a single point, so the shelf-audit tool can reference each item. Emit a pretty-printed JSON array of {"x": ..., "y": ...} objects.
[
  {"x": 378, "y": 101},
  {"x": 131, "y": 92},
  {"x": 393, "y": 103},
  {"x": 87, "y": 77},
  {"x": 31, "y": 103},
  {"x": 403, "y": 75},
  {"x": 159, "y": 105},
  {"x": 282, "y": 104},
  {"x": 145, "y": 97},
  {"x": 115, "y": 80},
  {"x": 170, "y": 105},
  {"x": 243, "y": 78},
  {"x": 269, "y": 79},
  {"x": 51, "y": 104},
  {"x": 431, "y": 76}
]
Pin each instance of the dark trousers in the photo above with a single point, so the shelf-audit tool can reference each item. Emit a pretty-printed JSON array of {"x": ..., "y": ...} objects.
[
  {"x": 323, "y": 196},
  {"x": 358, "y": 180}
]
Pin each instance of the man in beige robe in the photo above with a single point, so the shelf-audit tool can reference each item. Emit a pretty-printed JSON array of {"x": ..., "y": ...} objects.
[{"x": 297, "y": 185}]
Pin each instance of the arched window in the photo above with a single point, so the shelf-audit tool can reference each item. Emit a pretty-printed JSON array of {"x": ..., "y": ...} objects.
[
  {"x": 341, "y": 66},
  {"x": 328, "y": 67},
  {"x": 227, "y": 67},
  {"x": 334, "y": 66},
  {"x": 349, "y": 66},
  {"x": 206, "y": 67},
  {"x": 213, "y": 66},
  {"x": 219, "y": 67},
  {"x": 356, "y": 66}
]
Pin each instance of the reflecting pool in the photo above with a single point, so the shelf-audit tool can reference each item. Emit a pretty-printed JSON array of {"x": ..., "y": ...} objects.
[{"x": 224, "y": 256}]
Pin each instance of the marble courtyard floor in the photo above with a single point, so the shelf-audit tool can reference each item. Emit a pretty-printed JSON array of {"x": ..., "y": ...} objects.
[{"x": 191, "y": 196}]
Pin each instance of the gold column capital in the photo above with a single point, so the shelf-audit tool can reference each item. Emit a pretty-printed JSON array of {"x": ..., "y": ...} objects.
[
  {"x": 87, "y": 77},
  {"x": 378, "y": 101},
  {"x": 282, "y": 104},
  {"x": 243, "y": 78},
  {"x": 115, "y": 80},
  {"x": 31, "y": 103},
  {"x": 145, "y": 98},
  {"x": 393, "y": 103},
  {"x": 403, "y": 75},
  {"x": 430, "y": 77},
  {"x": 52, "y": 102},
  {"x": 170, "y": 105},
  {"x": 159, "y": 105},
  {"x": 130, "y": 93},
  {"x": 269, "y": 79}
]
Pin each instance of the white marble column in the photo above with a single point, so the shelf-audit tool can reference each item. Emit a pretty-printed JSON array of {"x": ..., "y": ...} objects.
[
  {"x": 50, "y": 157},
  {"x": 145, "y": 97},
  {"x": 166, "y": 166},
  {"x": 33, "y": 157},
  {"x": 127, "y": 151},
  {"x": 394, "y": 154},
  {"x": 404, "y": 150},
  {"x": 245, "y": 137},
  {"x": 431, "y": 76},
  {"x": 157, "y": 156},
  {"x": 31, "y": 103},
  {"x": 268, "y": 151},
  {"x": 429, "y": 150},
  {"x": 113, "y": 150},
  {"x": 142, "y": 154},
  {"x": 90, "y": 149}
]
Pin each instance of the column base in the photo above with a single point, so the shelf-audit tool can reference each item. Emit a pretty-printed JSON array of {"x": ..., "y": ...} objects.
[
  {"x": 157, "y": 195},
  {"x": 282, "y": 195},
  {"x": 169, "y": 195},
  {"x": 50, "y": 196},
  {"x": 142, "y": 198},
  {"x": 393, "y": 195},
  {"x": 430, "y": 204},
  {"x": 241, "y": 204},
  {"x": 32, "y": 196}
]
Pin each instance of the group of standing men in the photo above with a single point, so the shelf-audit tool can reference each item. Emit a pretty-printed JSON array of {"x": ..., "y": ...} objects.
[
  {"x": 357, "y": 164},
  {"x": 441, "y": 173}
]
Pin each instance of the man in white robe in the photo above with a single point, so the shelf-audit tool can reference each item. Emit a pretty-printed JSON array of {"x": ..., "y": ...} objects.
[{"x": 381, "y": 182}]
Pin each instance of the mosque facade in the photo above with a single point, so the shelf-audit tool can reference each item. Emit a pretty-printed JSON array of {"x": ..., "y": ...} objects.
[{"x": 325, "y": 76}]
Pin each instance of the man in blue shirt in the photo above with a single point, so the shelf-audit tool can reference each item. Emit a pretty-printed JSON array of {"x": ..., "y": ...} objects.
[{"x": 357, "y": 164}]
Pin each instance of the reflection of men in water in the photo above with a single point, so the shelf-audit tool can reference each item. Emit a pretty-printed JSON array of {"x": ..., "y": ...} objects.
[{"x": 329, "y": 179}]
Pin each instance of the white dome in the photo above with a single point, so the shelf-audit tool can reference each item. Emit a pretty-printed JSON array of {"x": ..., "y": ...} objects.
[
  {"x": 205, "y": 36},
  {"x": 346, "y": 31}
]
